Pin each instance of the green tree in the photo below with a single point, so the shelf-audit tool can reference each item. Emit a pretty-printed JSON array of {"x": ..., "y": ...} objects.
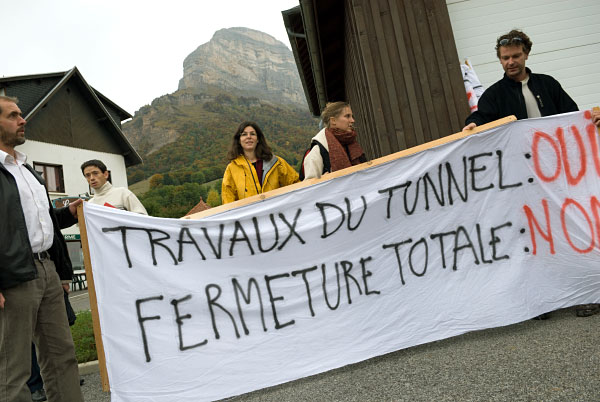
[
  {"x": 216, "y": 172},
  {"x": 213, "y": 199},
  {"x": 197, "y": 177},
  {"x": 168, "y": 179},
  {"x": 203, "y": 192},
  {"x": 217, "y": 186},
  {"x": 135, "y": 175}
]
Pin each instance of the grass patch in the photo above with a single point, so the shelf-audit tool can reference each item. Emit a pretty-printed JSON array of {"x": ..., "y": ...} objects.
[
  {"x": 83, "y": 337},
  {"x": 140, "y": 187}
]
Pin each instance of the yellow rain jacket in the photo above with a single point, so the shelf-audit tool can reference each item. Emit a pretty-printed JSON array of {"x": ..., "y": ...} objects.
[{"x": 241, "y": 181}]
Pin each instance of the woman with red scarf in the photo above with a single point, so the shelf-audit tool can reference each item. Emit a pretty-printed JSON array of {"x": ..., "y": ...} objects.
[{"x": 335, "y": 146}]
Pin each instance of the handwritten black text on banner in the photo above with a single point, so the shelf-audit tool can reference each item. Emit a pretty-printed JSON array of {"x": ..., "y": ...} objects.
[{"x": 482, "y": 232}]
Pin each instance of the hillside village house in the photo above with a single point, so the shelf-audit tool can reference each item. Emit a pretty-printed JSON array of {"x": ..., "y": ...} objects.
[
  {"x": 68, "y": 123},
  {"x": 398, "y": 61}
]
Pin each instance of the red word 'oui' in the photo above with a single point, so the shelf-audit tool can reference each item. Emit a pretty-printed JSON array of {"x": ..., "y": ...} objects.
[{"x": 575, "y": 166}]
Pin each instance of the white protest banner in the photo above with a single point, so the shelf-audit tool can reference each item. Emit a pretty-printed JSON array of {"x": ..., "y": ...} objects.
[{"x": 486, "y": 231}]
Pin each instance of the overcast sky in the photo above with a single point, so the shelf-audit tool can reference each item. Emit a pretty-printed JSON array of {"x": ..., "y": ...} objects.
[{"x": 130, "y": 50}]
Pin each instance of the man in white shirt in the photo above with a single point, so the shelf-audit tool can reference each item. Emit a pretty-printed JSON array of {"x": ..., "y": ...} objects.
[
  {"x": 33, "y": 261},
  {"x": 96, "y": 174}
]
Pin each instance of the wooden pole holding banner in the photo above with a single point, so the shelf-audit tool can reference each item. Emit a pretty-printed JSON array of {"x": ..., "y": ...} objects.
[
  {"x": 93, "y": 301},
  {"x": 352, "y": 169}
]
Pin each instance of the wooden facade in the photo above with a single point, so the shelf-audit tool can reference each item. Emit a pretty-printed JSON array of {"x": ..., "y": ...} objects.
[{"x": 395, "y": 61}]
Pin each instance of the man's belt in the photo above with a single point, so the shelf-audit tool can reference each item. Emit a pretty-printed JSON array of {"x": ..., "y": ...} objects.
[{"x": 41, "y": 256}]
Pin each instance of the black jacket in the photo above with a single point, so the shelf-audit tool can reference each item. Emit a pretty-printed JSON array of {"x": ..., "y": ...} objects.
[
  {"x": 16, "y": 258},
  {"x": 505, "y": 98}
]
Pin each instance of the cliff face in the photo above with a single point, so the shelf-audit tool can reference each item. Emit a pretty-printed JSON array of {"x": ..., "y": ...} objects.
[
  {"x": 246, "y": 62},
  {"x": 240, "y": 74},
  {"x": 147, "y": 131}
]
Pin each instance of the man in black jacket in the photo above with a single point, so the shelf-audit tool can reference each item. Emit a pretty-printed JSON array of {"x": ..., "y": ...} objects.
[
  {"x": 33, "y": 261},
  {"x": 524, "y": 94},
  {"x": 520, "y": 92}
]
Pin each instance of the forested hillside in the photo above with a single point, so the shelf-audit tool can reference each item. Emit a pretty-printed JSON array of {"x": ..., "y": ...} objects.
[
  {"x": 199, "y": 153},
  {"x": 205, "y": 131},
  {"x": 183, "y": 137}
]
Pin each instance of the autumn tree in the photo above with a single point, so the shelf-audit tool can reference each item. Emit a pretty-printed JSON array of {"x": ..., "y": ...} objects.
[{"x": 156, "y": 180}]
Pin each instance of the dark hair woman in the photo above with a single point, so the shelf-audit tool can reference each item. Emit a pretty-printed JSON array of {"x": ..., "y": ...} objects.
[
  {"x": 336, "y": 146},
  {"x": 253, "y": 168}
]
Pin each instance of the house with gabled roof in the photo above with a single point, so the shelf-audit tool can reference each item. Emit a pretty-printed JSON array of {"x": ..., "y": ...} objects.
[
  {"x": 199, "y": 207},
  {"x": 68, "y": 123}
]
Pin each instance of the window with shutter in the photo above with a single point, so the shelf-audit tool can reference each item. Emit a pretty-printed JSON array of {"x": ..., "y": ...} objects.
[{"x": 53, "y": 175}]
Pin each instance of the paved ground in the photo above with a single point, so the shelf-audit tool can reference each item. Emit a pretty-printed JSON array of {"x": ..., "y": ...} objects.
[
  {"x": 553, "y": 360},
  {"x": 79, "y": 300}
]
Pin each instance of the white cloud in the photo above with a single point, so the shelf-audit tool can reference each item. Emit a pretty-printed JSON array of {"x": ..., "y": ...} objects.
[{"x": 130, "y": 50}]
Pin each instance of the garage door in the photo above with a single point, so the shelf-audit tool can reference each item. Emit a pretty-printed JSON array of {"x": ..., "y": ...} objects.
[{"x": 565, "y": 36}]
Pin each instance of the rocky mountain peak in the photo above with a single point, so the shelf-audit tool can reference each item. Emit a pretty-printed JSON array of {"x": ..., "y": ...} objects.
[{"x": 247, "y": 62}]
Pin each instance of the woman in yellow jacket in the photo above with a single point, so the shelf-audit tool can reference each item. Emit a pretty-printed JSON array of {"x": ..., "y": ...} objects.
[{"x": 253, "y": 168}]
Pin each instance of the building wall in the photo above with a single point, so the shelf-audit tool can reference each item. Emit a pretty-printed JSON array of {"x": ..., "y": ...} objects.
[
  {"x": 565, "y": 36},
  {"x": 402, "y": 73},
  {"x": 71, "y": 159}
]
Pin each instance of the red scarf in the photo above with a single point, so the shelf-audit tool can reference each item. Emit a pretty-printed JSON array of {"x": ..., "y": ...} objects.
[
  {"x": 258, "y": 165},
  {"x": 344, "y": 151}
]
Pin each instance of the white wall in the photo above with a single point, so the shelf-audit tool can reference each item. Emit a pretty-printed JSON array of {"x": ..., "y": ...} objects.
[
  {"x": 565, "y": 36},
  {"x": 71, "y": 160}
]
